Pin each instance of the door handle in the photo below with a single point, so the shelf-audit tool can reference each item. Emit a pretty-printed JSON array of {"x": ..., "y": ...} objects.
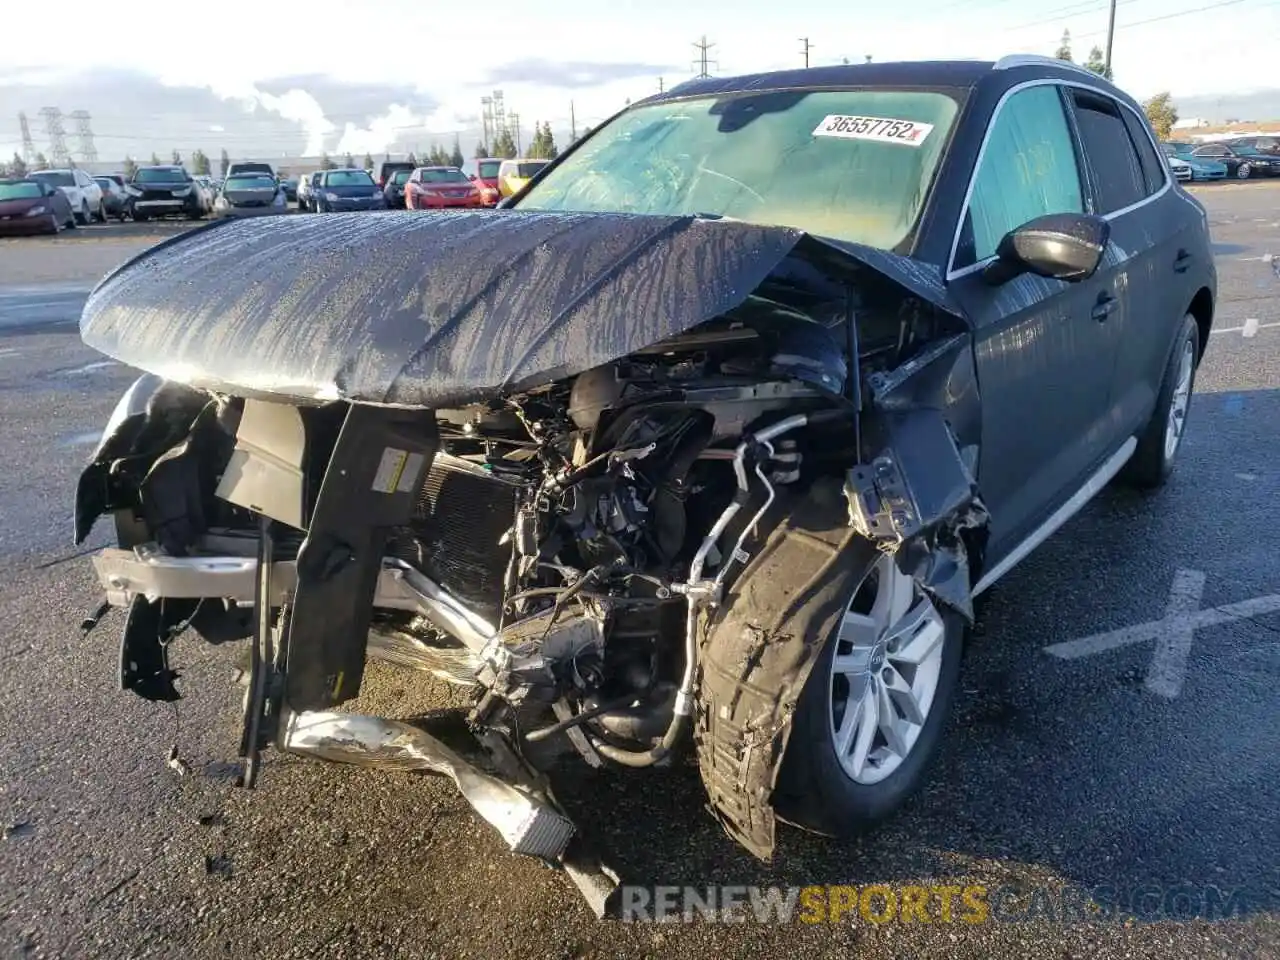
[
  {"x": 1182, "y": 261},
  {"x": 1102, "y": 309}
]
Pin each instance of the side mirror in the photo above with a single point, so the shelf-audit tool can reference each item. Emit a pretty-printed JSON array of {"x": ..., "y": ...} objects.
[{"x": 1061, "y": 246}]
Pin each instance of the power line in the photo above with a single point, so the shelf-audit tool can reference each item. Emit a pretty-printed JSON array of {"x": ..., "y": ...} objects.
[{"x": 1170, "y": 16}]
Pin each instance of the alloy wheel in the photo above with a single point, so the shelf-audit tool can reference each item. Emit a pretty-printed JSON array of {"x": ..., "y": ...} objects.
[
  {"x": 884, "y": 673},
  {"x": 1179, "y": 402}
]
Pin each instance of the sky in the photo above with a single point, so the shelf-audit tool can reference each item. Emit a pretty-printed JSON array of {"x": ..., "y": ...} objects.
[{"x": 345, "y": 75}]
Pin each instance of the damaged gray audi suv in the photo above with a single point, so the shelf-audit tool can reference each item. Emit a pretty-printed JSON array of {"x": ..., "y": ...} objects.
[{"x": 703, "y": 444}]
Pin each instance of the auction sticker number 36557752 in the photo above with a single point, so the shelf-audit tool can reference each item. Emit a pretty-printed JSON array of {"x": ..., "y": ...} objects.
[{"x": 882, "y": 129}]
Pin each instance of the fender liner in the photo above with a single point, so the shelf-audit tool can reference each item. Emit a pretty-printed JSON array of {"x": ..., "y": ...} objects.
[{"x": 759, "y": 651}]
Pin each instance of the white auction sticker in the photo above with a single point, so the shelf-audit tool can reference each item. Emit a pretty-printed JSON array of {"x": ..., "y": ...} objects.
[{"x": 883, "y": 129}]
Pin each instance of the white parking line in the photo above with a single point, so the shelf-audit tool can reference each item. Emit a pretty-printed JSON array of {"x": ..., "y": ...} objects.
[
  {"x": 1173, "y": 633},
  {"x": 1246, "y": 327},
  {"x": 90, "y": 368},
  {"x": 1169, "y": 662}
]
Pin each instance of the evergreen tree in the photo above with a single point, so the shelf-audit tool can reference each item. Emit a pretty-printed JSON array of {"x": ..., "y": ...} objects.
[
  {"x": 224, "y": 162},
  {"x": 504, "y": 145},
  {"x": 348, "y": 161},
  {"x": 481, "y": 151},
  {"x": 456, "y": 159},
  {"x": 155, "y": 160},
  {"x": 41, "y": 162},
  {"x": 368, "y": 161},
  {"x": 18, "y": 168},
  {"x": 1064, "y": 49},
  {"x": 177, "y": 157},
  {"x": 549, "y": 149},
  {"x": 412, "y": 158},
  {"x": 325, "y": 162},
  {"x": 200, "y": 165},
  {"x": 1097, "y": 64},
  {"x": 130, "y": 167}
]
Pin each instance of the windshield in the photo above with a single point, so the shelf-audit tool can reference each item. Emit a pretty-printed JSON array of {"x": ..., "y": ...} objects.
[
  {"x": 348, "y": 178},
  {"x": 438, "y": 175},
  {"x": 56, "y": 179},
  {"x": 1170, "y": 150},
  {"x": 21, "y": 191},
  {"x": 105, "y": 183},
  {"x": 401, "y": 177},
  {"x": 254, "y": 181},
  {"x": 854, "y": 165},
  {"x": 525, "y": 170},
  {"x": 254, "y": 168},
  {"x": 489, "y": 169},
  {"x": 161, "y": 175}
]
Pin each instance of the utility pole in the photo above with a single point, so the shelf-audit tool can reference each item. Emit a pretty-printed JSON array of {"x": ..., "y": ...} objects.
[
  {"x": 804, "y": 51},
  {"x": 84, "y": 133},
  {"x": 1111, "y": 32},
  {"x": 59, "y": 155},
  {"x": 573, "y": 123},
  {"x": 702, "y": 62},
  {"x": 28, "y": 143},
  {"x": 662, "y": 87}
]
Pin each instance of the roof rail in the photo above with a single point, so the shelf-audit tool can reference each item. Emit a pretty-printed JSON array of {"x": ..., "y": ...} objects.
[{"x": 1037, "y": 59}]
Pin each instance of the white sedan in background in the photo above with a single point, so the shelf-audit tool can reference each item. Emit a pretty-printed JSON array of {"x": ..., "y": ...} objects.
[
  {"x": 84, "y": 195},
  {"x": 1181, "y": 169}
]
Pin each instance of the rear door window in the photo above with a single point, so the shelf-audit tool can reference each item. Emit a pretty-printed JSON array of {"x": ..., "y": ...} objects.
[
  {"x": 1027, "y": 169},
  {"x": 1108, "y": 149},
  {"x": 1152, "y": 166}
]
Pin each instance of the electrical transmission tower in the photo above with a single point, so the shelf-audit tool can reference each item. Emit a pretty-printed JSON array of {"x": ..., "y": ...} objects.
[
  {"x": 28, "y": 144},
  {"x": 84, "y": 134},
  {"x": 702, "y": 63},
  {"x": 59, "y": 155}
]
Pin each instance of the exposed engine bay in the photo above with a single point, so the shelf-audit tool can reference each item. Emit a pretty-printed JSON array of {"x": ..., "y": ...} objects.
[{"x": 566, "y": 551}]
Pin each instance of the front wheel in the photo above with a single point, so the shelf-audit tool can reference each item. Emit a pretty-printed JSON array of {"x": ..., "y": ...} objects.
[
  {"x": 1244, "y": 171},
  {"x": 871, "y": 718},
  {"x": 1160, "y": 440},
  {"x": 82, "y": 216}
]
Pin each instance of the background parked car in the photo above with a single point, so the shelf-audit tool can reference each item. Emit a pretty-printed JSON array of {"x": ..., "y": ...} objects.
[
  {"x": 1241, "y": 162},
  {"x": 438, "y": 188},
  {"x": 1263, "y": 144},
  {"x": 386, "y": 169},
  {"x": 344, "y": 190},
  {"x": 163, "y": 191},
  {"x": 84, "y": 195},
  {"x": 250, "y": 195},
  {"x": 393, "y": 190},
  {"x": 249, "y": 166},
  {"x": 1181, "y": 169},
  {"x": 483, "y": 172},
  {"x": 206, "y": 191},
  {"x": 114, "y": 200},
  {"x": 306, "y": 189},
  {"x": 28, "y": 205},
  {"x": 1202, "y": 168},
  {"x": 513, "y": 175},
  {"x": 290, "y": 187}
]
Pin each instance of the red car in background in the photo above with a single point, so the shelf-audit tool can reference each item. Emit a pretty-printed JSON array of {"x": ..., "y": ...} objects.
[
  {"x": 483, "y": 172},
  {"x": 440, "y": 188},
  {"x": 29, "y": 206}
]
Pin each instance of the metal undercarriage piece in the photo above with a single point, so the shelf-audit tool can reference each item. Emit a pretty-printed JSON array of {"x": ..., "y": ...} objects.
[{"x": 530, "y": 824}]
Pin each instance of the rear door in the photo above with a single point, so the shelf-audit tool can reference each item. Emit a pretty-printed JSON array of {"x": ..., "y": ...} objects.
[
  {"x": 1044, "y": 361},
  {"x": 1151, "y": 252}
]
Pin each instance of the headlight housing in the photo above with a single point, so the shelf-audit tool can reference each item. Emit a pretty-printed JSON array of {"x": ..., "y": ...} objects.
[
  {"x": 332, "y": 197},
  {"x": 37, "y": 211},
  {"x": 132, "y": 190}
]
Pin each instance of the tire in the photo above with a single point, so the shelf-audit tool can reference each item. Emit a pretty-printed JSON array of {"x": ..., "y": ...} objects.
[
  {"x": 1161, "y": 439},
  {"x": 1244, "y": 171},
  {"x": 82, "y": 217},
  {"x": 827, "y": 791},
  {"x": 140, "y": 217},
  {"x": 71, "y": 223},
  {"x": 54, "y": 226},
  {"x": 102, "y": 212}
]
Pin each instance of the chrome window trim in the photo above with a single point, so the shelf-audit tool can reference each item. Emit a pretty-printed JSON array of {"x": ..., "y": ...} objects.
[{"x": 953, "y": 274}]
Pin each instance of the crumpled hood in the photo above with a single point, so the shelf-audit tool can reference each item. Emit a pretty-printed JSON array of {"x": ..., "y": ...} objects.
[{"x": 415, "y": 310}]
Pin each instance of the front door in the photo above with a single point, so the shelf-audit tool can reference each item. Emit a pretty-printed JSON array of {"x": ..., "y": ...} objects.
[{"x": 1044, "y": 349}]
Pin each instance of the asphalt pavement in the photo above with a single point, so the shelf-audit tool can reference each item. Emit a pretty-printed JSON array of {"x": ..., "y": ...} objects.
[{"x": 1119, "y": 724}]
